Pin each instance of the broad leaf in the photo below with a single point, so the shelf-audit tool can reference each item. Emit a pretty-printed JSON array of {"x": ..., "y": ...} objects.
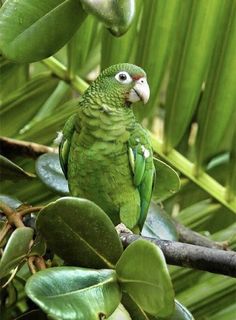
[
  {"x": 180, "y": 313},
  {"x": 137, "y": 313},
  {"x": 120, "y": 314},
  {"x": 159, "y": 224},
  {"x": 75, "y": 293},
  {"x": 135, "y": 310},
  {"x": 32, "y": 30},
  {"x": 117, "y": 16},
  {"x": 79, "y": 232},
  {"x": 49, "y": 170},
  {"x": 10, "y": 171},
  {"x": 16, "y": 250},
  {"x": 167, "y": 181},
  {"x": 143, "y": 274}
]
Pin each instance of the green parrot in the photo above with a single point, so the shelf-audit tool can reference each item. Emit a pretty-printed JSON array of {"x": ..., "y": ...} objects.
[{"x": 105, "y": 153}]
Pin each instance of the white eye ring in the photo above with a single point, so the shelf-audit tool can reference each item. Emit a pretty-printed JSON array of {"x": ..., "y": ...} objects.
[{"x": 123, "y": 77}]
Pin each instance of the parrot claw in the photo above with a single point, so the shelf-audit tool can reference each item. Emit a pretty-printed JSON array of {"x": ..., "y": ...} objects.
[{"x": 121, "y": 228}]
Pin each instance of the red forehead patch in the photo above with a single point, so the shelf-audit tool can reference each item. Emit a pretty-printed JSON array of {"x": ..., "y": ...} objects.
[{"x": 137, "y": 76}]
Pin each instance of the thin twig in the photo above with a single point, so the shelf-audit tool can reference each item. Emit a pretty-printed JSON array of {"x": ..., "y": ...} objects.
[
  {"x": 8, "y": 211},
  {"x": 30, "y": 210},
  {"x": 13, "y": 217},
  {"x": 14, "y": 271},
  {"x": 31, "y": 264},
  {"x": 191, "y": 256}
]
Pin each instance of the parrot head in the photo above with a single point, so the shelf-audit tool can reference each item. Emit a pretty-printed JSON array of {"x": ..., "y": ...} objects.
[{"x": 126, "y": 82}]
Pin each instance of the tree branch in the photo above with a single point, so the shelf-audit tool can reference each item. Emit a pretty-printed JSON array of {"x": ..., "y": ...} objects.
[
  {"x": 187, "y": 235},
  {"x": 191, "y": 256},
  {"x": 13, "y": 147}
]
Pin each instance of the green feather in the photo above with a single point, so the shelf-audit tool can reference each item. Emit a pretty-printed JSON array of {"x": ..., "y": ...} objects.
[{"x": 139, "y": 169}]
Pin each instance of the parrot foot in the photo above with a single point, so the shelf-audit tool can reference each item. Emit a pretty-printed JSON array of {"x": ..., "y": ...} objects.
[{"x": 121, "y": 228}]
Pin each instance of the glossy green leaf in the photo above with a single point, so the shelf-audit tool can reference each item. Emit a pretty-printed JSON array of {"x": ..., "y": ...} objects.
[
  {"x": 79, "y": 232},
  {"x": 75, "y": 293},
  {"x": 167, "y": 181},
  {"x": 137, "y": 313},
  {"x": 117, "y": 16},
  {"x": 49, "y": 170},
  {"x": 134, "y": 309},
  {"x": 120, "y": 314},
  {"x": 30, "y": 30},
  {"x": 16, "y": 250},
  {"x": 159, "y": 224},
  {"x": 143, "y": 274},
  {"x": 10, "y": 171},
  {"x": 190, "y": 64},
  {"x": 180, "y": 313},
  {"x": 12, "y": 202},
  {"x": 217, "y": 108}
]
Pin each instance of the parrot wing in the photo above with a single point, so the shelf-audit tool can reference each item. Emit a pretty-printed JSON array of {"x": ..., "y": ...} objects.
[
  {"x": 141, "y": 161},
  {"x": 64, "y": 147}
]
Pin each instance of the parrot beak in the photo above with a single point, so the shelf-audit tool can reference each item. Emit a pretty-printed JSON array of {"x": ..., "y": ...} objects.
[{"x": 140, "y": 91}]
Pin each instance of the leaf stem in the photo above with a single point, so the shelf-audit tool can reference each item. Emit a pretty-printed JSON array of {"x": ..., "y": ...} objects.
[
  {"x": 31, "y": 264},
  {"x": 187, "y": 168},
  {"x": 30, "y": 210},
  {"x": 61, "y": 72},
  {"x": 36, "y": 263}
]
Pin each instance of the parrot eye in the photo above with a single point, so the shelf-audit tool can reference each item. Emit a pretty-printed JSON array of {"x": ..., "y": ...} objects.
[{"x": 123, "y": 77}]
